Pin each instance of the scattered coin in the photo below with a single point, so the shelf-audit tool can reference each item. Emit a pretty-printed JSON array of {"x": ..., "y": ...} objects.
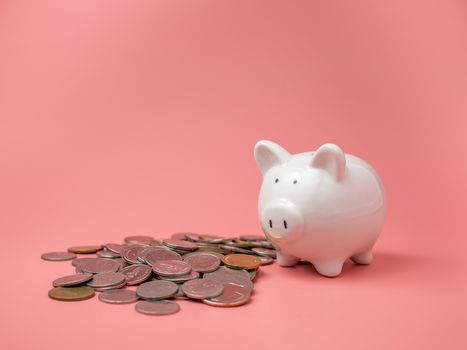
[
  {"x": 265, "y": 252},
  {"x": 211, "y": 239},
  {"x": 118, "y": 296},
  {"x": 58, "y": 256},
  {"x": 194, "y": 237},
  {"x": 179, "y": 235},
  {"x": 241, "y": 261},
  {"x": 113, "y": 287},
  {"x": 72, "y": 280},
  {"x": 136, "y": 274},
  {"x": 233, "y": 295},
  {"x": 253, "y": 274},
  {"x": 114, "y": 247},
  {"x": 182, "y": 258},
  {"x": 71, "y": 293},
  {"x": 202, "y": 288},
  {"x": 99, "y": 265},
  {"x": 227, "y": 275},
  {"x": 160, "y": 307},
  {"x": 171, "y": 268},
  {"x": 180, "y": 279},
  {"x": 130, "y": 253},
  {"x": 85, "y": 249},
  {"x": 139, "y": 239},
  {"x": 180, "y": 294},
  {"x": 107, "y": 254},
  {"x": 213, "y": 249},
  {"x": 80, "y": 261},
  {"x": 266, "y": 260},
  {"x": 179, "y": 244},
  {"x": 203, "y": 262},
  {"x": 159, "y": 254},
  {"x": 106, "y": 279},
  {"x": 235, "y": 249},
  {"x": 157, "y": 290}
]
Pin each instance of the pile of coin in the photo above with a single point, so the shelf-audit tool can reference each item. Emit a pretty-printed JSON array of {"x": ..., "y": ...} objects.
[{"x": 214, "y": 270}]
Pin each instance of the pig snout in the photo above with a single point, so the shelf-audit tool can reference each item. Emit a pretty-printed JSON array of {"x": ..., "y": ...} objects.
[{"x": 281, "y": 219}]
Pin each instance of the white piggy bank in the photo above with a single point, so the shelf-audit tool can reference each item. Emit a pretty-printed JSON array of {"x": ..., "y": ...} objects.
[{"x": 323, "y": 206}]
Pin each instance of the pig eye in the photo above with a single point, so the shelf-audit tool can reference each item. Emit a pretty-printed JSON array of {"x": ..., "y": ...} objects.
[
  {"x": 294, "y": 181},
  {"x": 276, "y": 180}
]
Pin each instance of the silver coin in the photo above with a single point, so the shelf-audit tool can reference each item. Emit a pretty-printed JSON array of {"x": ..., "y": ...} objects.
[
  {"x": 252, "y": 238},
  {"x": 80, "y": 261},
  {"x": 159, "y": 254},
  {"x": 118, "y": 296},
  {"x": 141, "y": 253},
  {"x": 203, "y": 288},
  {"x": 233, "y": 295},
  {"x": 194, "y": 237},
  {"x": 180, "y": 294},
  {"x": 107, "y": 254},
  {"x": 157, "y": 308},
  {"x": 114, "y": 247},
  {"x": 235, "y": 249},
  {"x": 203, "y": 262},
  {"x": 265, "y": 252},
  {"x": 179, "y": 244},
  {"x": 267, "y": 244},
  {"x": 58, "y": 256},
  {"x": 211, "y": 239},
  {"x": 72, "y": 280},
  {"x": 171, "y": 268},
  {"x": 227, "y": 275},
  {"x": 243, "y": 244},
  {"x": 266, "y": 260},
  {"x": 114, "y": 287},
  {"x": 136, "y": 274},
  {"x": 252, "y": 274},
  {"x": 106, "y": 279},
  {"x": 179, "y": 235},
  {"x": 179, "y": 279},
  {"x": 157, "y": 290},
  {"x": 214, "y": 249},
  {"x": 139, "y": 239},
  {"x": 100, "y": 265},
  {"x": 130, "y": 253},
  {"x": 122, "y": 262}
]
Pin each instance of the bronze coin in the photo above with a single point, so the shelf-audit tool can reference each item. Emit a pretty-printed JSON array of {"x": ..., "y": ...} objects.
[
  {"x": 85, "y": 249},
  {"x": 58, "y": 256},
  {"x": 71, "y": 293},
  {"x": 241, "y": 261}
]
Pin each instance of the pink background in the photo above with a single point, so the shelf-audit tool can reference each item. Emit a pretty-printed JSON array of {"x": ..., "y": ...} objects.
[{"x": 140, "y": 117}]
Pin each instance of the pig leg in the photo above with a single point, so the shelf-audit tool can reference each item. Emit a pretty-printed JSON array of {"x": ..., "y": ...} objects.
[
  {"x": 363, "y": 258},
  {"x": 329, "y": 268},
  {"x": 286, "y": 260}
]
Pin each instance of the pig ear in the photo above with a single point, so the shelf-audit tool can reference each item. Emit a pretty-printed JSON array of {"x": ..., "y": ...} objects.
[
  {"x": 330, "y": 158},
  {"x": 269, "y": 154}
]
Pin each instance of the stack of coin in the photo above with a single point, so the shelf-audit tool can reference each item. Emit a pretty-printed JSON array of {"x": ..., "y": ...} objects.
[{"x": 214, "y": 270}]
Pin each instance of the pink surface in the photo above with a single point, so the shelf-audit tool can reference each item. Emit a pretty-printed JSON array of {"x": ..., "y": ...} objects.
[{"x": 134, "y": 117}]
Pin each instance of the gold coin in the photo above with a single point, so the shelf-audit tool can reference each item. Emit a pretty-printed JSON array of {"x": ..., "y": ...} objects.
[
  {"x": 85, "y": 249},
  {"x": 241, "y": 261},
  {"x": 71, "y": 293}
]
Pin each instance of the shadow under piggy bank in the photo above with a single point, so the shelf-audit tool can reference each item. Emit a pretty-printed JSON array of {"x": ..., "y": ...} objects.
[{"x": 384, "y": 264}]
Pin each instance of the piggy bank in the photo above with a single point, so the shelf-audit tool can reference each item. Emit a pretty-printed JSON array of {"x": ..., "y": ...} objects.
[{"x": 321, "y": 206}]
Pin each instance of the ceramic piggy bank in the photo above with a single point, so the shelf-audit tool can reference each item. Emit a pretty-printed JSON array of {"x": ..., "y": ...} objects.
[{"x": 322, "y": 206}]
